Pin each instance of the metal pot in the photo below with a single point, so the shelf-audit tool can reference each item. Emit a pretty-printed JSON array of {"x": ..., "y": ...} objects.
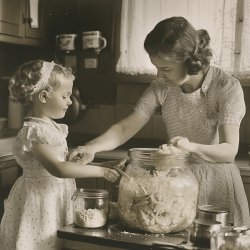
[
  {"x": 214, "y": 213},
  {"x": 202, "y": 230}
]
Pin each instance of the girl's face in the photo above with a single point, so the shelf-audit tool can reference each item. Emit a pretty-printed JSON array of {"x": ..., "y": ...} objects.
[
  {"x": 58, "y": 101},
  {"x": 169, "y": 70}
]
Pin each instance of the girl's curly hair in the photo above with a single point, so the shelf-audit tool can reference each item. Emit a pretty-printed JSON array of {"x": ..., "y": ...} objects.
[
  {"x": 176, "y": 38},
  {"x": 28, "y": 74}
]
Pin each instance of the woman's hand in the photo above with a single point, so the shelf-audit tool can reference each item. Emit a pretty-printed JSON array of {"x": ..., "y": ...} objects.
[
  {"x": 182, "y": 143},
  {"x": 177, "y": 145},
  {"x": 82, "y": 154}
]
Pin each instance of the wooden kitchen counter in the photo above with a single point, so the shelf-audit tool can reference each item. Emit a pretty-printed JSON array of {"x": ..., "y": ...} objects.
[{"x": 114, "y": 237}]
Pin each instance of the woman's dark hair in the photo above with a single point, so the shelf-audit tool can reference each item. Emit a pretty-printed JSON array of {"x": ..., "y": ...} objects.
[{"x": 176, "y": 39}]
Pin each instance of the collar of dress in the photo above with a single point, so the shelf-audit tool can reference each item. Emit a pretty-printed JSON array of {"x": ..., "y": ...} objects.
[{"x": 207, "y": 80}]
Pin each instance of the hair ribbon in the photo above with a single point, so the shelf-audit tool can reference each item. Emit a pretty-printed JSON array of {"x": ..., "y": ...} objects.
[{"x": 46, "y": 70}]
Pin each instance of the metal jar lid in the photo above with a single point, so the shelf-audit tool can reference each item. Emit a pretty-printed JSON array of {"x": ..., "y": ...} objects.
[
  {"x": 207, "y": 224},
  {"x": 91, "y": 193},
  {"x": 154, "y": 153},
  {"x": 213, "y": 209}
]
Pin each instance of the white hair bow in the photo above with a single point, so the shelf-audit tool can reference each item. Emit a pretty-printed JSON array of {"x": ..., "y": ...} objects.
[{"x": 45, "y": 75}]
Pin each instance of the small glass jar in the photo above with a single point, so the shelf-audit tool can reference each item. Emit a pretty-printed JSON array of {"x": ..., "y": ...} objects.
[
  {"x": 91, "y": 207},
  {"x": 160, "y": 195},
  {"x": 231, "y": 239}
]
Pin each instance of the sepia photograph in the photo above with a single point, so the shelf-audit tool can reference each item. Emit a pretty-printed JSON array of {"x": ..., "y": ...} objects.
[{"x": 124, "y": 124}]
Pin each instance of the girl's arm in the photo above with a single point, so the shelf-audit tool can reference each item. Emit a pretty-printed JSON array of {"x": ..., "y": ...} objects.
[
  {"x": 65, "y": 169},
  {"x": 115, "y": 136},
  {"x": 225, "y": 151}
]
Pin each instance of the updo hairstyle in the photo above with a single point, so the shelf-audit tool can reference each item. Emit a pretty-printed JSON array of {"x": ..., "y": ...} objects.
[
  {"x": 176, "y": 39},
  {"x": 26, "y": 77}
]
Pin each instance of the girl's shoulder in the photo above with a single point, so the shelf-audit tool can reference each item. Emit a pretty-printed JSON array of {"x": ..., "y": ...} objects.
[
  {"x": 39, "y": 125},
  {"x": 42, "y": 132}
]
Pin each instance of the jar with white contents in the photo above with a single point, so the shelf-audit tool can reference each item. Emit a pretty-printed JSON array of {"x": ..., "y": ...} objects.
[
  {"x": 91, "y": 207},
  {"x": 159, "y": 194}
]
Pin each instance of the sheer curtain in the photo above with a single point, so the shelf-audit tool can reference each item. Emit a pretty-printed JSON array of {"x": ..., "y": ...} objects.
[
  {"x": 243, "y": 69},
  {"x": 218, "y": 17}
]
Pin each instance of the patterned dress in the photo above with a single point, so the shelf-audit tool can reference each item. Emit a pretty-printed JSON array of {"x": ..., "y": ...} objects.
[
  {"x": 197, "y": 115},
  {"x": 38, "y": 203}
]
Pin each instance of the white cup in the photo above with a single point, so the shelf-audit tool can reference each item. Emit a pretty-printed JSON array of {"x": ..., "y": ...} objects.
[
  {"x": 66, "y": 41},
  {"x": 93, "y": 40}
]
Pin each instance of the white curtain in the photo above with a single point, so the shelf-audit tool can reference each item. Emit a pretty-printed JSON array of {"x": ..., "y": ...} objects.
[
  {"x": 139, "y": 17},
  {"x": 243, "y": 69}
]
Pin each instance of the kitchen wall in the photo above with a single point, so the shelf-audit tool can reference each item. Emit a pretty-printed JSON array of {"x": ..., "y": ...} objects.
[
  {"x": 110, "y": 98},
  {"x": 11, "y": 56}
]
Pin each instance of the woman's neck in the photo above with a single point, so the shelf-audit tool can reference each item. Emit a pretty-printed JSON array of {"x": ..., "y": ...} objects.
[{"x": 195, "y": 82}]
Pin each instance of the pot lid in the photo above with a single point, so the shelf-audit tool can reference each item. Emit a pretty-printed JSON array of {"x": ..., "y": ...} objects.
[
  {"x": 207, "y": 225},
  {"x": 213, "y": 209},
  {"x": 205, "y": 222}
]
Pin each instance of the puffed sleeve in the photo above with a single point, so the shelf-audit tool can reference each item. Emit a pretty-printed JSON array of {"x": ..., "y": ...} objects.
[
  {"x": 64, "y": 129},
  {"x": 151, "y": 99},
  {"x": 36, "y": 134},
  {"x": 231, "y": 103}
]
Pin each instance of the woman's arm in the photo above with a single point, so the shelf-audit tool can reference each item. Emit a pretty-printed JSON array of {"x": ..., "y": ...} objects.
[
  {"x": 119, "y": 133},
  {"x": 115, "y": 136},
  {"x": 65, "y": 169},
  {"x": 225, "y": 151}
]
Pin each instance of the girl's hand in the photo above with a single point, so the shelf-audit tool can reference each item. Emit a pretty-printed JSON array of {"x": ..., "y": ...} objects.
[
  {"x": 114, "y": 173},
  {"x": 110, "y": 174},
  {"x": 82, "y": 154}
]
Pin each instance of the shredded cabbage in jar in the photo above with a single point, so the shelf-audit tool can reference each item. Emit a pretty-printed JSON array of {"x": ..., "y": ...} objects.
[{"x": 162, "y": 202}]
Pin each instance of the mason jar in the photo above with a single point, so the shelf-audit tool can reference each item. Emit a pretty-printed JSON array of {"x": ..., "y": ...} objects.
[
  {"x": 91, "y": 207},
  {"x": 159, "y": 193},
  {"x": 230, "y": 238}
]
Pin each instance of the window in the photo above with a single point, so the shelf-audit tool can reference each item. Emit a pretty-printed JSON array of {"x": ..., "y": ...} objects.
[{"x": 226, "y": 21}]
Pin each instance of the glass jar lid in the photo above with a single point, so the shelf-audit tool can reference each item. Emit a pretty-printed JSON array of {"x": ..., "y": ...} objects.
[
  {"x": 154, "y": 154},
  {"x": 91, "y": 193}
]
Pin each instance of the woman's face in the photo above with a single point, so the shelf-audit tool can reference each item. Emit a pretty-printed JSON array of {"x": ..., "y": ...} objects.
[{"x": 170, "y": 70}]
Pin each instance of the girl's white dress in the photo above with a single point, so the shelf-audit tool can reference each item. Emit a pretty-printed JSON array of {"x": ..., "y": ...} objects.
[{"x": 39, "y": 203}]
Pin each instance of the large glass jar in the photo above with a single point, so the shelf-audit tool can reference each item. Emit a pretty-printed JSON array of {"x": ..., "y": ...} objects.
[
  {"x": 160, "y": 193},
  {"x": 91, "y": 207}
]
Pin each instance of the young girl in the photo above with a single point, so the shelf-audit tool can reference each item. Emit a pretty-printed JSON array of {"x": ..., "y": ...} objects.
[
  {"x": 202, "y": 108},
  {"x": 40, "y": 201}
]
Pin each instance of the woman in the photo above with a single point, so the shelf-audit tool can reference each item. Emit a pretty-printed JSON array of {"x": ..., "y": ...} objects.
[{"x": 202, "y": 108}]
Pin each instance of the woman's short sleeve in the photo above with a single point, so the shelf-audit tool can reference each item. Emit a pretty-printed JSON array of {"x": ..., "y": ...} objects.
[
  {"x": 150, "y": 101},
  {"x": 231, "y": 104}
]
